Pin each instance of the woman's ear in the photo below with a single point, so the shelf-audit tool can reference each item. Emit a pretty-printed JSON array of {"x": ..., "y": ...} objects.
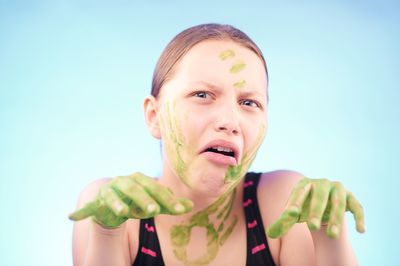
[{"x": 151, "y": 116}]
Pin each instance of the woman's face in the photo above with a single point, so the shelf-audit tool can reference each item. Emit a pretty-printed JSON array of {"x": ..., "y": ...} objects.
[{"x": 213, "y": 116}]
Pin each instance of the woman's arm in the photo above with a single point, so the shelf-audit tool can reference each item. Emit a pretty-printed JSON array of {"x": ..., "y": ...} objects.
[
  {"x": 316, "y": 198},
  {"x": 108, "y": 207},
  {"x": 333, "y": 252},
  {"x": 95, "y": 245}
]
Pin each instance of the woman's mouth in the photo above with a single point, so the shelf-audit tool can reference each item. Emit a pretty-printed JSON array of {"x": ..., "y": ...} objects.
[{"x": 221, "y": 152}]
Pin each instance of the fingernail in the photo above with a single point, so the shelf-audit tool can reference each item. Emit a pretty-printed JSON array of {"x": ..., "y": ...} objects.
[
  {"x": 118, "y": 207},
  {"x": 314, "y": 223},
  {"x": 179, "y": 207},
  {"x": 361, "y": 228},
  {"x": 335, "y": 230},
  {"x": 151, "y": 208},
  {"x": 293, "y": 210}
]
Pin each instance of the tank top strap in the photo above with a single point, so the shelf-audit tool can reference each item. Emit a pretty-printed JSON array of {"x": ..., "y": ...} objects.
[
  {"x": 258, "y": 252},
  {"x": 149, "y": 251}
]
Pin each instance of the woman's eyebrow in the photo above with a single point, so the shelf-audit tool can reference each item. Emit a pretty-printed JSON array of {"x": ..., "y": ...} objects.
[
  {"x": 206, "y": 84},
  {"x": 248, "y": 93}
]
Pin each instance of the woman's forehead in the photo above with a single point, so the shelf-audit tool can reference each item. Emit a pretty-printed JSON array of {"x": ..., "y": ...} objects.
[
  {"x": 221, "y": 50},
  {"x": 220, "y": 61}
]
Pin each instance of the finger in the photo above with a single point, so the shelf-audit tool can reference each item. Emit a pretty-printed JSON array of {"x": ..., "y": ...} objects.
[
  {"x": 137, "y": 196},
  {"x": 187, "y": 203},
  {"x": 318, "y": 203},
  {"x": 358, "y": 212},
  {"x": 298, "y": 196},
  {"x": 84, "y": 212},
  {"x": 338, "y": 208},
  {"x": 111, "y": 199},
  {"x": 282, "y": 225},
  {"x": 163, "y": 195}
]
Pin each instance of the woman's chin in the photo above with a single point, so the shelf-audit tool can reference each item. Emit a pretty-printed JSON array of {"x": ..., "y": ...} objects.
[{"x": 212, "y": 186}]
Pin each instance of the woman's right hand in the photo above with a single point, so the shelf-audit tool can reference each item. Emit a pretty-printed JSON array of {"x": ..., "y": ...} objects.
[{"x": 135, "y": 196}]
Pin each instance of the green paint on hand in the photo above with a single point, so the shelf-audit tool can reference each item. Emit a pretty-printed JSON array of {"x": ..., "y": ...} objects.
[
  {"x": 226, "y": 54},
  {"x": 236, "y": 68},
  {"x": 318, "y": 201}
]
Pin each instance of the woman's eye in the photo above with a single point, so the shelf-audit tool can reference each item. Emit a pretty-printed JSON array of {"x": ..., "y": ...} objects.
[
  {"x": 201, "y": 94},
  {"x": 250, "y": 103}
]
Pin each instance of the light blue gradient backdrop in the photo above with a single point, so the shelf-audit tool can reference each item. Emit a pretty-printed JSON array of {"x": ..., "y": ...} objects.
[{"x": 73, "y": 76}]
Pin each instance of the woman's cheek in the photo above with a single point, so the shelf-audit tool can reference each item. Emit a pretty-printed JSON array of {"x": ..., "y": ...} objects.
[
  {"x": 174, "y": 140},
  {"x": 235, "y": 173}
]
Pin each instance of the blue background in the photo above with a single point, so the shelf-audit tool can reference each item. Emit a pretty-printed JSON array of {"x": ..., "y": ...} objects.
[{"x": 73, "y": 76}]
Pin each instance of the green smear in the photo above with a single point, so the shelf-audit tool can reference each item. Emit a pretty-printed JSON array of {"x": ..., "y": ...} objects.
[
  {"x": 228, "y": 231},
  {"x": 237, "y": 67},
  {"x": 215, "y": 233},
  {"x": 234, "y": 174},
  {"x": 239, "y": 84},
  {"x": 226, "y": 54},
  {"x": 175, "y": 143}
]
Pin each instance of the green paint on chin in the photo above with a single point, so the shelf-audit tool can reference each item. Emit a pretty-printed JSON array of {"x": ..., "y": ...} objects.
[
  {"x": 226, "y": 54},
  {"x": 236, "y": 68},
  {"x": 240, "y": 84},
  {"x": 235, "y": 173}
]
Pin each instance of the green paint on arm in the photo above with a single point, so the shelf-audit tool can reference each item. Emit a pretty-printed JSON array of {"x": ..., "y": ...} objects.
[
  {"x": 226, "y": 54},
  {"x": 240, "y": 84},
  {"x": 236, "y": 68}
]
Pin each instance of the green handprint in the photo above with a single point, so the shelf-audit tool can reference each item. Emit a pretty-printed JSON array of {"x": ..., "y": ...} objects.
[
  {"x": 135, "y": 196},
  {"x": 318, "y": 201}
]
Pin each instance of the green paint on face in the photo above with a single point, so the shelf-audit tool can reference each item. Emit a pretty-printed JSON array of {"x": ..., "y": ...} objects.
[
  {"x": 234, "y": 174},
  {"x": 175, "y": 142},
  {"x": 236, "y": 68},
  {"x": 215, "y": 233},
  {"x": 226, "y": 54},
  {"x": 239, "y": 84}
]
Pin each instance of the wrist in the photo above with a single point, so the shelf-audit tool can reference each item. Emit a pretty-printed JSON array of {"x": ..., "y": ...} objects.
[{"x": 100, "y": 229}]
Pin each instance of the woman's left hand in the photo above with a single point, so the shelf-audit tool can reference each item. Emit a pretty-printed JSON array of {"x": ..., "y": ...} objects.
[{"x": 318, "y": 201}]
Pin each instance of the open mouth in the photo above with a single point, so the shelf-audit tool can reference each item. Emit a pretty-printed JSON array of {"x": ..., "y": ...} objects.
[{"x": 222, "y": 150}]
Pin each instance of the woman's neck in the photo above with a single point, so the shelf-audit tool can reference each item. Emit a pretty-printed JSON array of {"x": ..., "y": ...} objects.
[{"x": 203, "y": 203}]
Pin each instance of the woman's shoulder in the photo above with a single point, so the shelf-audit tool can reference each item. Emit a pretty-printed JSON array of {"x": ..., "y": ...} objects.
[
  {"x": 273, "y": 191},
  {"x": 90, "y": 190},
  {"x": 279, "y": 183}
]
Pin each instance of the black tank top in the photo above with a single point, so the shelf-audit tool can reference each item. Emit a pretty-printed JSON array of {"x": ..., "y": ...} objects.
[{"x": 258, "y": 253}]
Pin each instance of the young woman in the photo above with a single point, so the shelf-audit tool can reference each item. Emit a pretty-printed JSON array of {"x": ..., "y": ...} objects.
[{"x": 208, "y": 107}]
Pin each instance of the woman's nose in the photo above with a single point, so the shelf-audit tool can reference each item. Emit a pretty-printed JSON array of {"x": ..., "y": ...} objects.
[{"x": 228, "y": 121}]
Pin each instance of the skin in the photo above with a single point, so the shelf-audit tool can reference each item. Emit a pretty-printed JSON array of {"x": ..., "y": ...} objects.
[
  {"x": 216, "y": 234},
  {"x": 239, "y": 84},
  {"x": 213, "y": 218},
  {"x": 315, "y": 201},
  {"x": 175, "y": 143}
]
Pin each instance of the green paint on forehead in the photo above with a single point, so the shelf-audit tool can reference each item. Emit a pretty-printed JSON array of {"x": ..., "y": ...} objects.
[
  {"x": 236, "y": 68},
  {"x": 226, "y": 54},
  {"x": 239, "y": 84}
]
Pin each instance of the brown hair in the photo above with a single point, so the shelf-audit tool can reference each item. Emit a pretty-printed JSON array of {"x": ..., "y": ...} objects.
[{"x": 188, "y": 38}]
